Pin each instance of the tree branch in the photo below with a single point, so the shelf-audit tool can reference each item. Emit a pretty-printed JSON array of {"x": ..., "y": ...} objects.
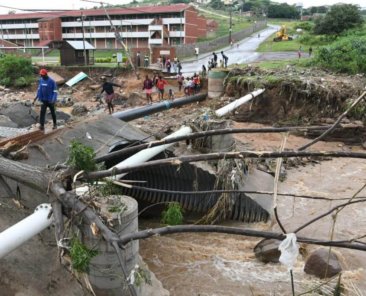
[
  {"x": 327, "y": 213},
  {"x": 197, "y": 135},
  {"x": 124, "y": 239},
  {"x": 221, "y": 155},
  {"x": 203, "y": 192}
]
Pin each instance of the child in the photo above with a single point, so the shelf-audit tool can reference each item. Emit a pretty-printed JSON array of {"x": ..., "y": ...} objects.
[{"x": 171, "y": 94}]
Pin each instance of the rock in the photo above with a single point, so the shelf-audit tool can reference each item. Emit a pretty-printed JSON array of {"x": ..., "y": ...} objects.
[
  {"x": 329, "y": 120},
  {"x": 364, "y": 145},
  {"x": 135, "y": 99},
  {"x": 6, "y": 121},
  {"x": 57, "y": 78},
  {"x": 345, "y": 120},
  {"x": 65, "y": 102},
  {"x": 21, "y": 114},
  {"x": 120, "y": 100},
  {"x": 60, "y": 116},
  {"x": 79, "y": 109},
  {"x": 320, "y": 265},
  {"x": 267, "y": 250},
  {"x": 95, "y": 86}
]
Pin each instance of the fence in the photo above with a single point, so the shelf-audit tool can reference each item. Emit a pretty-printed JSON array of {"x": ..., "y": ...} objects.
[{"x": 187, "y": 50}]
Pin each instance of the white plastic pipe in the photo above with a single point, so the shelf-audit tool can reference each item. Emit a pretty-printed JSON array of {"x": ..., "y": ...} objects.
[
  {"x": 18, "y": 234},
  {"x": 146, "y": 154},
  {"x": 233, "y": 105}
]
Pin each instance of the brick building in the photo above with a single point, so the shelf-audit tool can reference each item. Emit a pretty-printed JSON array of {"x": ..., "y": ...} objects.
[{"x": 140, "y": 27}]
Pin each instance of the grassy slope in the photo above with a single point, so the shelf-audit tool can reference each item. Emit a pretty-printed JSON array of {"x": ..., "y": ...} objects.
[{"x": 238, "y": 24}]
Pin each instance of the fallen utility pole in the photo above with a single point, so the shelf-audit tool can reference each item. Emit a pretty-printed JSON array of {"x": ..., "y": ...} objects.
[
  {"x": 118, "y": 36},
  {"x": 18, "y": 234},
  {"x": 148, "y": 153},
  {"x": 157, "y": 107}
]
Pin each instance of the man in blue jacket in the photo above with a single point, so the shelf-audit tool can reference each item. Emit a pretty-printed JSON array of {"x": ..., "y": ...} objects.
[{"x": 47, "y": 94}]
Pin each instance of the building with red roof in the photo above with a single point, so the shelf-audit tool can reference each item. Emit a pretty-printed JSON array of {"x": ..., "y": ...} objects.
[{"x": 139, "y": 27}]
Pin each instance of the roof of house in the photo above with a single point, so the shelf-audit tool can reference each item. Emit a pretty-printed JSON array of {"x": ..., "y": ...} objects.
[
  {"x": 179, "y": 7},
  {"x": 79, "y": 45}
]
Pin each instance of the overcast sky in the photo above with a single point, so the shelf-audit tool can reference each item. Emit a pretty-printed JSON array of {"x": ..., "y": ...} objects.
[
  {"x": 76, "y": 4},
  {"x": 308, "y": 3}
]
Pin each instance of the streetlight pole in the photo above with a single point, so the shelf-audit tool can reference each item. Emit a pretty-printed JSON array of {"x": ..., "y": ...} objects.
[
  {"x": 84, "y": 50},
  {"x": 230, "y": 24}
]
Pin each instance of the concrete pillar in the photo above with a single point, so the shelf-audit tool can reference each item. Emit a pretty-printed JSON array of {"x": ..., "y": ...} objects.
[{"x": 105, "y": 274}]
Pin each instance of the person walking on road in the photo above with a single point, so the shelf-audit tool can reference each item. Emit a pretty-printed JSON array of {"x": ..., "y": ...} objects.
[
  {"x": 47, "y": 94},
  {"x": 107, "y": 87},
  {"x": 214, "y": 58},
  {"x": 225, "y": 59}
]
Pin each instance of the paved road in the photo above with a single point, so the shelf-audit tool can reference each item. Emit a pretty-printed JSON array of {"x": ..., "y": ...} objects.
[{"x": 241, "y": 52}]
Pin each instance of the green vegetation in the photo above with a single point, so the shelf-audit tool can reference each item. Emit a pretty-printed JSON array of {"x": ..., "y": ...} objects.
[
  {"x": 81, "y": 255},
  {"x": 81, "y": 157},
  {"x": 281, "y": 64},
  {"x": 109, "y": 188},
  {"x": 173, "y": 215},
  {"x": 339, "y": 19},
  {"x": 283, "y": 10},
  {"x": 16, "y": 71},
  {"x": 346, "y": 55},
  {"x": 238, "y": 24}
]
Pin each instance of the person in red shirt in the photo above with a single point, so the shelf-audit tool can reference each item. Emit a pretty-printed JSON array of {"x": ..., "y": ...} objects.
[{"x": 160, "y": 84}]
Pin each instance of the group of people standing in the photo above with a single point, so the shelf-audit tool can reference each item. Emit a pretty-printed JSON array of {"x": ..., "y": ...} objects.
[
  {"x": 159, "y": 83},
  {"x": 212, "y": 63},
  {"x": 165, "y": 63}
]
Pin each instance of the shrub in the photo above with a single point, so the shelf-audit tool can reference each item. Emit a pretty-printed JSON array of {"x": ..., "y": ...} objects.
[
  {"x": 81, "y": 157},
  {"x": 173, "y": 215},
  {"x": 15, "y": 70},
  {"x": 23, "y": 81},
  {"x": 347, "y": 55},
  {"x": 306, "y": 26},
  {"x": 81, "y": 255}
]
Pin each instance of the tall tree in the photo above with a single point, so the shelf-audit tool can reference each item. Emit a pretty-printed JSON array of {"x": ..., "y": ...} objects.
[{"x": 340, "y": 18}]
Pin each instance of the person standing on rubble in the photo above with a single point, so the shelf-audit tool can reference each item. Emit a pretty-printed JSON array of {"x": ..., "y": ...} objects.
[
  {"x": 160, "y": 85},
  {"x": 107, "y": 87},
  {"x": 147, "y": 87},
  {"x": 47, "y": 94}
]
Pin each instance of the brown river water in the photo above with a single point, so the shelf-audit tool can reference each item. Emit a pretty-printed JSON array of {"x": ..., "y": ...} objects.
[{"x": 218, "y": 264}]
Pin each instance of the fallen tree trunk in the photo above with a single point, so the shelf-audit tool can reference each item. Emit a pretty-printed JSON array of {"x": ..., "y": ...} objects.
[
  {"x": 31, "y": 176},
  {"x": 124, "y": 239}
]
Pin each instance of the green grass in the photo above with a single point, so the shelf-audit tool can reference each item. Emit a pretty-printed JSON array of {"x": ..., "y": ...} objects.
[
  {"x": 281, "y": 64},
  {"x": 238, "y": 24},
  {"x": 270, "y": 46}
]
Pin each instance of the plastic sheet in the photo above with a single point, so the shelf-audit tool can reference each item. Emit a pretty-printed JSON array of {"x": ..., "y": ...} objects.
[{"x": 289, "y": 250}]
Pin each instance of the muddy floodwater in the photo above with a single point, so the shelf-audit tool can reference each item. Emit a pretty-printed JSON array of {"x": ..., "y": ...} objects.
[{"x": 218, "y": 264}]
